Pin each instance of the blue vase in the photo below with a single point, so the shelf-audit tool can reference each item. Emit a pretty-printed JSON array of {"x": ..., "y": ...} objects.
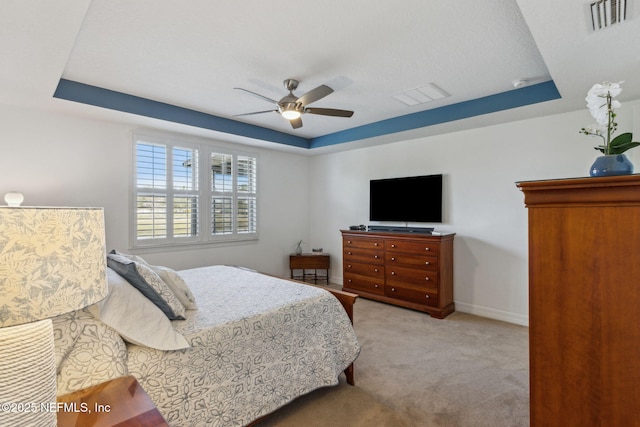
[{"x": 613, "y": 164}]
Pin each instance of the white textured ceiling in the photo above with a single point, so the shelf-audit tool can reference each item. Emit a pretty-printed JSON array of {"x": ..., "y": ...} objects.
[{"x": 192, "y": 54}]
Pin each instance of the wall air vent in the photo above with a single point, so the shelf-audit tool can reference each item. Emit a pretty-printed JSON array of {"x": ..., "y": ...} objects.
[
  {"x": 421, "y": 95},
  {"x": 605, "y": 13}
]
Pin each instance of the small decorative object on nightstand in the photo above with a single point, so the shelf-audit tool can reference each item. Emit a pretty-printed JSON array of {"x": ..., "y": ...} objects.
[
  {"x": 308, "y": 266},
  {"x": 120, "y": 402}
]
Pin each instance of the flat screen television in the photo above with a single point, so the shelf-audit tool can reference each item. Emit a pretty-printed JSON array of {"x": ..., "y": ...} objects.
[{"x": 407, "y": 199}]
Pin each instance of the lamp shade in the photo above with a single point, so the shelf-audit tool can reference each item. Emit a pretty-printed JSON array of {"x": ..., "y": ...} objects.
[{"x": 52, "y": 261}]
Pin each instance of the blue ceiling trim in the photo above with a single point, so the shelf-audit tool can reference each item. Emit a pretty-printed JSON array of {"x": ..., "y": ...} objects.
[
  {"x": 489, "y": 104},
  {"x": 93, "y": 95}
]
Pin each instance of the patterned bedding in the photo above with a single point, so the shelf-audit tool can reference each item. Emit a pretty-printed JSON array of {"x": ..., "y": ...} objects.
[{"x": 257, "y": 343}]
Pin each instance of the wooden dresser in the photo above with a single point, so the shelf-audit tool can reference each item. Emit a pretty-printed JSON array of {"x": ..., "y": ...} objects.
[
  {"x": 410, "y": 270},
  {"x": 584, "y": 301}
]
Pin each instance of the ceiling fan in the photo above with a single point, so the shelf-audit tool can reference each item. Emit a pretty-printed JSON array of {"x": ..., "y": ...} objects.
[{"x": 291, "y": 107}]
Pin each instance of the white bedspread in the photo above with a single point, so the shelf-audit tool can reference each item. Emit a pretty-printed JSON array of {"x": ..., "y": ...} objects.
[{"x": 258, "y": 342}]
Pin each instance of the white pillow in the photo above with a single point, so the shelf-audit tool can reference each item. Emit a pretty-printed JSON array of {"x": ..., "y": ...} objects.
[
  {"x": 149, "y": 283},
  {"x": 178, "y": 286},
  {"x": 136, "y": 319}
]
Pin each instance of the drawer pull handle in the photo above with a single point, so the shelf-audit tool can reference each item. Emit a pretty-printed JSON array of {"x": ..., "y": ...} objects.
[
  {"x": 427, "y": 249},
  {"x": 427, "y": 263},
  {"x": 393, "y": 246},
  {"x": 393, "y": 289},
  {"x": 393, "y": 258},
  {"x": 427, "y": 296},
  {"x": 376, "y": 286},
  {"x": 376, "y": 256},
  {"x": 349, "y": 253},
  {"x": 375, "y": 244},
  {"x": 393, "y": 273},
  {"x": 348, "y": 241},
  {"x": 349, "y": 280},
  {"x": 375, "y": 269},
  {"x": 348, "y": 265},
  {"x": 427, "y": 279}
]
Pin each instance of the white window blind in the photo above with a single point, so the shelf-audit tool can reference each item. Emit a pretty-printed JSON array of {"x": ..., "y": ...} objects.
[
  {"x": 169, "y": 193},
  {"x": 185, "y": 192},
  {"x": 151, "y": 194},
  {"x": 247, "y": 195}
]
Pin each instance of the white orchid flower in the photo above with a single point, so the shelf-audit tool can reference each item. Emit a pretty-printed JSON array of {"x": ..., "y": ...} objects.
[
  {"x": 606, "y": 88},
  {"x": 602, "y": 107}
]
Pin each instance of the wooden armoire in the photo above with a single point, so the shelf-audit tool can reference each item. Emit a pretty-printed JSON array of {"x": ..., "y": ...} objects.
[{"x": 584, "y": 300}]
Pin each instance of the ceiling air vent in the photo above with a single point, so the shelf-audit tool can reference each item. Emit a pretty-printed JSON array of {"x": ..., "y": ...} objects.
[
  {"x": 421, "y": 95},
  {"x": 605, "y": 13}
]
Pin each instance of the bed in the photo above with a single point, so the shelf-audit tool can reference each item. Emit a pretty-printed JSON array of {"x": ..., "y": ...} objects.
[{"x": 245, "y": 344}]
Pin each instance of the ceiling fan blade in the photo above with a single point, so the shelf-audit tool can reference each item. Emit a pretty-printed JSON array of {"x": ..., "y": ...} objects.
[
  {"x": 329, "y": 112},
  {"x": 314, "y": 95},
  {"x": 258, "y": 95},
  {"x": 256, "y": 112},
  {"x": 296, "y": 123}
]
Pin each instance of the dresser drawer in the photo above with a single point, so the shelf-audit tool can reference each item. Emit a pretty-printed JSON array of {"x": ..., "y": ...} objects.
[
  {"x": 364, "y": 284},
  {"x": 368, "y": 270},
  {"x": 426, "y": 297},
  {"x": 423, "y": 261},
  {"x": 412, "y": 247},
  {"x": 370, "y": 256},
  {"x": 422, "y": 278},
  {"x": 363, "y": 243}
]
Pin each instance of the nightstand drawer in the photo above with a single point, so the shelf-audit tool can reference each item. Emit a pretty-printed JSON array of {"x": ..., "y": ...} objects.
[{"x": 309, "y": 261}]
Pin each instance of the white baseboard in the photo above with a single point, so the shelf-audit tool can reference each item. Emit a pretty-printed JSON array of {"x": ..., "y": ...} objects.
[
  {"x": 492, "y": 313},
  {"x": 477, "y": 310}
]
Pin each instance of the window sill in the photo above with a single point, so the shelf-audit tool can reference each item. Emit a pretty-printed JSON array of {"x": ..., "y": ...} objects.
[{"x": 177, "y": 246}]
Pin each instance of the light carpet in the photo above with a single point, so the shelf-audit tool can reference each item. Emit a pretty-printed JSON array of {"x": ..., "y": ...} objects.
[{"x": 413, "y": 370}]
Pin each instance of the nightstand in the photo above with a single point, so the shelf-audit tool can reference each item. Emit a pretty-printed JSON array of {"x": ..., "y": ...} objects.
[
  {"x": 312, "y": 262},
  {"x": 120, "y": 402}
]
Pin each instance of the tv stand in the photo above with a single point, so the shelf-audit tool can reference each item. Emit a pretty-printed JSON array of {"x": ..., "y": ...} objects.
[
  {"x": 396, "y": 229},
  {"x": 411, "y": 270}
]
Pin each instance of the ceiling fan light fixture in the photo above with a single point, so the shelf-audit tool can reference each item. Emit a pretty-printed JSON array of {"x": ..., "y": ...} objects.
[
  {"x": 292, "y": 107},
  {"x": 291, "y": 114}
]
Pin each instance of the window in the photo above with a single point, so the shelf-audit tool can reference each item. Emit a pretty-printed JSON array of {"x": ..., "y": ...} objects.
[
  {"x": 174, "y": 203},
  {"x": 233, "y": 191}
]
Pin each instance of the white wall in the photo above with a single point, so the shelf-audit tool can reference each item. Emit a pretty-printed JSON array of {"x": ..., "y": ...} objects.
[
  {"x": 482, "y": 204},
  {"x": 59, "y": 160}
]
